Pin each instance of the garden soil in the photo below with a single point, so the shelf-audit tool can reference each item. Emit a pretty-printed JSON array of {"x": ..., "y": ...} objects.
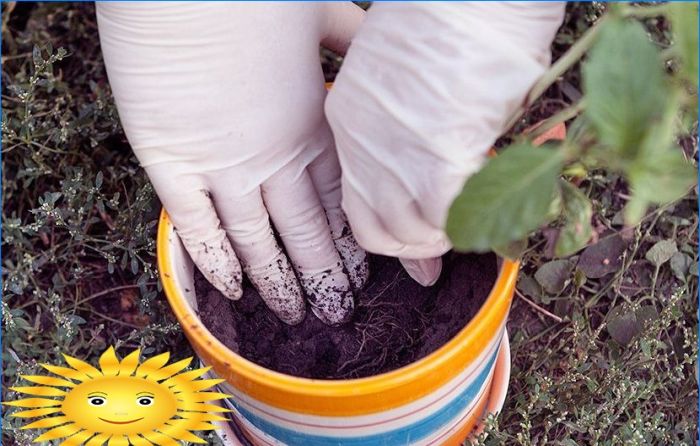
[{"x": 396, "y": 321}]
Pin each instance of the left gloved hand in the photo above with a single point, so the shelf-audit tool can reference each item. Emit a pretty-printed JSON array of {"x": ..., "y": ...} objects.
[{"x": 222, "y": 104}]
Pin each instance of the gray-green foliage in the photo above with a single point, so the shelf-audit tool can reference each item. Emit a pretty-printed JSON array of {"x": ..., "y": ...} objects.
[
  {"x": 79, "y": 216},
  {"x": 684, "y": 16},
  {"x": 633, "y": 111}
]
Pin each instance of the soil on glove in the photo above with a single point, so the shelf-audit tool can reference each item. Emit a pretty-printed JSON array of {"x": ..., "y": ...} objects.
[{"x": 396, "y": 321}]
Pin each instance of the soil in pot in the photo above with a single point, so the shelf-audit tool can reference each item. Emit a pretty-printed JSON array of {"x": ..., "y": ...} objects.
[{"x": 396, "y": 321}]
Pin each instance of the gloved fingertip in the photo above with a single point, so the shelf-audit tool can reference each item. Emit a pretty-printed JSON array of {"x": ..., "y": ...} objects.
[
  {"x": 230, "y": 291},
  {"x": 424, "y": 271},
  {"x": 360, "y": 274},
  {"x": 295, "y": 315},
  {"x": 355, "y": 261},
  {"x": 229, "y": 283},
  {"x": 218, "y": 263},
  {"x": 279, "y": 289},
  {"x": 329, "y": 294},
  {"x": 286, "y": 302},
  {"x": 335, "y": 308},
  {"x": 354, "y": 257}
]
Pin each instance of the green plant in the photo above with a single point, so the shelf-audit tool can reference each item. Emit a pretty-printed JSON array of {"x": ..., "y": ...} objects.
[
  {"x": 637, "y": 101},
  {"x": 604, "y": 342}
]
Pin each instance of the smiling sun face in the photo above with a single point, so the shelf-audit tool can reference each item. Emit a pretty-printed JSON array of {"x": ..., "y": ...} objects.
[
  {"x": 122, "y": 402},
  {"x": 120, "y": 405}
]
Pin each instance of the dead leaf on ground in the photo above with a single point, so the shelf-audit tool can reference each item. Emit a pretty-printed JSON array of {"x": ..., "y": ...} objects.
[
  {"x": 554, "y": 275},
  {"x": 603, "y": 258}
]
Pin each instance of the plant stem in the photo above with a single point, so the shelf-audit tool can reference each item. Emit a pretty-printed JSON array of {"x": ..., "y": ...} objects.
[
  {"x": 560, "y": 67},
  {"x": 642, "y": 12},
  {"x": 654, "y": 279},
  {"x": 560, "y": 116}
]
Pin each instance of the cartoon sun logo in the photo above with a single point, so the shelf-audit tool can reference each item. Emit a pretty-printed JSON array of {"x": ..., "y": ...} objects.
[{"x": 121, "y": 403}]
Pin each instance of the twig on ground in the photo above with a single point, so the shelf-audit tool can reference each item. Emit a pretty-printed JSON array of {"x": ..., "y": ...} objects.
[
  {"x": 108, "y": 291},
  {"x": 538, "y": 308}
]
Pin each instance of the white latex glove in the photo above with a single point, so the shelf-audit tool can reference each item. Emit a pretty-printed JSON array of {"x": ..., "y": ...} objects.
[
  {"x": 424, "y": 92},
  {"x": 222, "y": 104}
]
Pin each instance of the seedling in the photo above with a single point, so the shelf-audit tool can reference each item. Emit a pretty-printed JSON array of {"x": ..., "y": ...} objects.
[{"x": 636, "y": 101}]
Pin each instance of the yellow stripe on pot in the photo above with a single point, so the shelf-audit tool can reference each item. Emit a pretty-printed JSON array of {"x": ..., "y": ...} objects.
[{"x": 338, "y": 397}]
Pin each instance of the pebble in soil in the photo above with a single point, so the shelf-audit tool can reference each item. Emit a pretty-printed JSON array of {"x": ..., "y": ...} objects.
[{"x": 396, "y": 321}]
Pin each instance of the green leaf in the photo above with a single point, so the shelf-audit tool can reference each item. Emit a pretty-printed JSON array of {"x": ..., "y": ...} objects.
[
  {"x": 529, "y": 286},
  {"x": 623, "y": 325},
  {"x": 506, "y": 200},
  {"x": 661, "y": 252},
  {"x": 659, "y": 173},
  {"x": 577, "y": 229},
  {"x": 680, "y": 265},
  {"x": 657, "y": 178},
  {"x": 36, "y": 56},
  {"x": 580, "y": 132},
  {"x": 554, "y": 275},
  {"x": 625, "y": 85},
  {"x": 684, "y": 24},
  {"x": 513, "y": 250}
]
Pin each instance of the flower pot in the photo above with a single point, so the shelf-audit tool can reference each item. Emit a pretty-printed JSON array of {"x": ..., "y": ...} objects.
[{"x": 437, "y": 400}]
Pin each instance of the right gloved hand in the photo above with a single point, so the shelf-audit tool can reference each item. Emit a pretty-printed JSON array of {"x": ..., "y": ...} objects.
[
  {"x": 222, "y": 104},
  {"x": 424, "y": 91}
]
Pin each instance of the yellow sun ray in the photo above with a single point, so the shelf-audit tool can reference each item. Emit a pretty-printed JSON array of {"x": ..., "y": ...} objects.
[
  {"x": 82, "y": 366},
  {"x": 98, "y": 440},
  {"x": 58, "y": 432},
  {"x": 118, "y": 440},
  {"x": 194, "y": 425},
  {"x": 199, "y": 407},
  {"x": 33, "y": 402},
  {"x": 121, "y": 403},
  {"x": 48, "y": 380},
  {"x": 77, "y": 439},
  {"x": 152, "y": 364},
  {"x": 129, "y": 363},
  {"x": 137, "y": 440},
  {"x": 185, "y": 377},
  {"x": 181, "y": 433},
  {"x": 47, "y": 422},
  {"x": 201, "y": 397},
  {"x": 66, "y": 372},
  {"x": 109, "y": 363},
  {"x": 199, "y": 385},
  {"x": 39, "y": 391},
  {"x": 160, "y": 439},
  {"x": 36, "y": 412},
  {"x": 170, "y": 370}
]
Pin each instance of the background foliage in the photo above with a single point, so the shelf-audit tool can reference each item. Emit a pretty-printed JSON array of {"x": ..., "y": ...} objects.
[
  {"x": 79, "y": 215},
  {"x": 604, "y": 343}
]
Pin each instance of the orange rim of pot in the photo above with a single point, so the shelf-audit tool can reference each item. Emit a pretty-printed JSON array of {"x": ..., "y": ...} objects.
[{"x": 340, "y": 397}]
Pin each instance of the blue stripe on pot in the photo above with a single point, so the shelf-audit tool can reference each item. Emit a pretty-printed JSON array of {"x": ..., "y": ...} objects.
[{"x": 412, "y": 432}]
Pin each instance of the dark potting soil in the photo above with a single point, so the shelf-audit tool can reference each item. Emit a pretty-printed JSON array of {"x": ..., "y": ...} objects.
[{"x": 396, "y": 321}]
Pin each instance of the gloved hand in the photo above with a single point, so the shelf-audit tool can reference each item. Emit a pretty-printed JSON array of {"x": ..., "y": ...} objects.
[
  {"x": 424, "y": 92},
  {"x": 222, "y": 104}
]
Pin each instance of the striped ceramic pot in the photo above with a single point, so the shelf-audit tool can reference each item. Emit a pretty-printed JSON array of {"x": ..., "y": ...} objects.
[{"x": 437, "y": 400}]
